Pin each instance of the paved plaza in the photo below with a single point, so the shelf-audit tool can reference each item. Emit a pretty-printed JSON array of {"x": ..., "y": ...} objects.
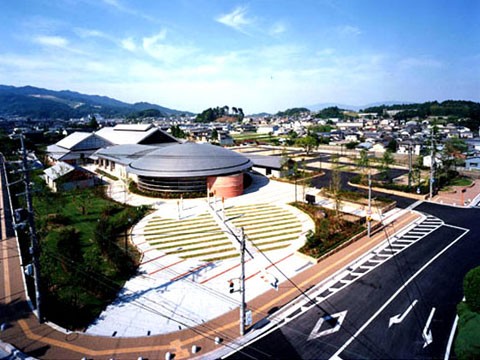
[{"x": 190, "y": 254}]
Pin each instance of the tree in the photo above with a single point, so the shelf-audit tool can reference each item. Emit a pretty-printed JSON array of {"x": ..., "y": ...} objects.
[
  {"x": 285, "y": 162},
  {"x": 308, "y": 143},
  {"x": 386, "y": 161},
  {"x": 82, "y": 198},
  {"x": 392, "y": 145},
  {"x": 453, "y": 151},
  {"x": 363, "y": 163},
  {"x": 417, "y": 170},
  {"x": 336, "y": 184},
  {"x": 177, "y": 132},
  {"x": 351, "y": 145},
  {"x": 292, "y": 137},
  {"x": 93, "y": 123},
  {"x": 214, "y": 134},
  {"x": 330, "y": 112},
  {"x": 241, "y": 115}
]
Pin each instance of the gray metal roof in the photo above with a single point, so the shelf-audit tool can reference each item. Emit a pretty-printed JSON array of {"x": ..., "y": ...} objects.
[
  {"x": 132, "y": 134},
  {"x": 58, "y": 170},
  {"x": 78, "y": 141},
  {"x": 265, "y": 161},
  {"x": 123, "y": 154},
  {"x": 190, "y": 160},
  {"x": 73, "y": 139}
]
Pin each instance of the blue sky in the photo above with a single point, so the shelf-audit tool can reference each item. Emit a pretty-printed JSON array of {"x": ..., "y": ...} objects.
[{"x": 261, "y": 55}]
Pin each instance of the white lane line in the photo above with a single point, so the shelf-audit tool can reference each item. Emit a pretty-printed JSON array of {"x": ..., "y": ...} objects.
[
  {"x": 379, "y": 311},
  {"x": 450, "y": 339}
]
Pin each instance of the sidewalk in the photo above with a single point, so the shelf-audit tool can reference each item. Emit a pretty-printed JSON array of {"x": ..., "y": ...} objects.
[{"x": 461, "y": 196}]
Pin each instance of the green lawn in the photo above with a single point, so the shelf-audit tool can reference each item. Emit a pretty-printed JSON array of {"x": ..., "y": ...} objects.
[{"x": 461, "y": 181}]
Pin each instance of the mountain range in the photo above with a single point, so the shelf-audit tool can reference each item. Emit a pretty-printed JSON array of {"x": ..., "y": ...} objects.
[{"x": 38, "y": 103}]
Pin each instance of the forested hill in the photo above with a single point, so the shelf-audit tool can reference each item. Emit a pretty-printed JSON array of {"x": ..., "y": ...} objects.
[
  {"x": 453, "y": 108},
  {"x": 37, "y": 103}
]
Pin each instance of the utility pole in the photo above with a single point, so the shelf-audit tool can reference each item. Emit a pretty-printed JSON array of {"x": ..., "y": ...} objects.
[
  {"x": 369, "y": 215},
  {"x": 242, "y": 282},
  {"x": 432, "y": 165},
  {"x": 34, "y": 250},
  {"x": 410, "y": 155}
]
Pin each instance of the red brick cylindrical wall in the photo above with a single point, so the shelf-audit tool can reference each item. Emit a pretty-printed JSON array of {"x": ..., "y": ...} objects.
[{"x": 226, "y": 186}]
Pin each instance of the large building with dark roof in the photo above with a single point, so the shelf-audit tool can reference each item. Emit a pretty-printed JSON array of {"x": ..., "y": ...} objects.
[
  {"x": 177, "y": 168},
  {"x": 156, "y": 161},
  {"x": 191, "y": 167},
  {"x": 77, "y": 147}
]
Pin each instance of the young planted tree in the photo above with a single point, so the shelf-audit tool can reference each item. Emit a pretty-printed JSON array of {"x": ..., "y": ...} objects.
[
  {"x": 308, "y": 143},
  {"x": 363, "y": 162},
  {"x": 385, "y": 163},
  {"x": 336, "y": 185}
]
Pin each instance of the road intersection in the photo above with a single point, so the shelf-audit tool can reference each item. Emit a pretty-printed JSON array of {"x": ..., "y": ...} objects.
[{"x": 404, "y": 307}]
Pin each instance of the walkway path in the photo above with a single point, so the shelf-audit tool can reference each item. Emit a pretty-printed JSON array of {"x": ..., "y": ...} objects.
[{"x": 456, "y": 197}]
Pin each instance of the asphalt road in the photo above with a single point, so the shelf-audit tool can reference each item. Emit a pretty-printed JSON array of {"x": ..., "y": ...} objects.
[{"x": 402, "y": 309}]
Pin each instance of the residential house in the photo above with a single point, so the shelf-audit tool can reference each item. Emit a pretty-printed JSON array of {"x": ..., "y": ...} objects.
[
  {"x": 472, "y": 163},
  {"x": 64, "y": 176}
]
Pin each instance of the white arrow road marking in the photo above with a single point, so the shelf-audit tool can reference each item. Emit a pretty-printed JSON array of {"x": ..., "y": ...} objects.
[
  {"x": 316, "y": 333},
  {"x": 400, "y": 317},
  {"x": 380, "y": 310},
  {"x": 427, "y": 332}
]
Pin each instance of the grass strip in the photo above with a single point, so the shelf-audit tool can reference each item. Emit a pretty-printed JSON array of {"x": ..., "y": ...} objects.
[
  {"x": 158, "y": 239},
  {"x": 256, "y": 238},
  {"x": 269, "y": 230}
]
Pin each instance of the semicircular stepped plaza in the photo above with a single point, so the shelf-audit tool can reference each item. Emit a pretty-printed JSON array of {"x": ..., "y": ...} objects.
[{"x": 267, "y": 227}]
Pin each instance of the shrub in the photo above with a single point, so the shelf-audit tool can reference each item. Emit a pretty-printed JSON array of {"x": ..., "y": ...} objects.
[
  {"x": 471, "y": 288},
  {"x": 467, "y": 342}
]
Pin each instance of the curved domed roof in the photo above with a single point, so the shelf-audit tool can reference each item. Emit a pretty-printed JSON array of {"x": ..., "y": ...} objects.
[{"x": 190, "y": 160}]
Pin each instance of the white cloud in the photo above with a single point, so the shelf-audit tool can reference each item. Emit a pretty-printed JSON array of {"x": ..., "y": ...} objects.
[
  {"x": 90, "y": 33},
  {"x": 119, "y": 6},
  {"x": 325, "y": 52},
  {"x": 277, "y": 28},
  {"x": 56, "y": 41},
  {"x": 155, "y": 39},
  {"x": 129, "y": 44},
  {"x": 236, "y": 19},
  {"x": 421, "y": 62},
  {"x": 158, "y": 48},
  {"x": 349, "y": 30}
]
